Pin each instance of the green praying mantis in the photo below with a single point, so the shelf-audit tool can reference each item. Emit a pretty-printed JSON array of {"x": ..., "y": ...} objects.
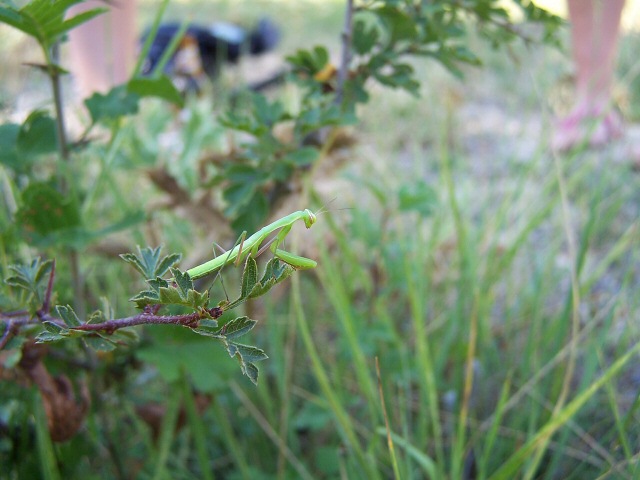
[{"x": 254, "y": 246}]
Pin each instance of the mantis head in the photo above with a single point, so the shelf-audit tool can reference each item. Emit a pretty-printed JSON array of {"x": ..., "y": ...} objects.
[{"x": 309, "y": 218}]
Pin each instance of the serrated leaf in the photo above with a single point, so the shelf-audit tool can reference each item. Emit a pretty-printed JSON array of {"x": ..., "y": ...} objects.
[
  {"x": 170, "y": 296},
  {"x": 251, "y": 371},
  {"x": 148, "y": 264},
  {"x": 191, "y": 298},
  {"x": 157, "y": 283},
  {"x": 46, "y": 337},
  {"x": 208, "y": 323},
  {"x": 31, "y": 278},
  {"x": 238, "y": 327},
  {"x": 68, "y": 315},
  {"x": 247, "y": 352},
  {"x": 20, "y": 282},
  {"x": 208, "y": 332},
  {"x": 183, "y": 282},
  {"x": 262, "y": 288},
  {"x": 166, "y": 263},
  {"x": 54, "y": 328},
  {"x": 97, "y": 317},
  {"x": 249, "y": 276},
  {"x": 145, "y": 261},
  {"x": 42, "y": 269},
  {"x": 99, "y": 343},
  {"x": 146, "y": 297},
  {"x": 278, "y": 270}
]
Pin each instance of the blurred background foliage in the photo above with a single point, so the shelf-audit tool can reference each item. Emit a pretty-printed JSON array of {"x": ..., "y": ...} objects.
[{"x": 446, "y": 258}]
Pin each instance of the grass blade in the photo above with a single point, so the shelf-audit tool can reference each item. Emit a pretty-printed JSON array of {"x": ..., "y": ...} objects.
[
  {"x": 509, "y": 469},
  {"x": 46, "y": 452}
]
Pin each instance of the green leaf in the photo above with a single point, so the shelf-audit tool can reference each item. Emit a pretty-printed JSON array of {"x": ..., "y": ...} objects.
[
  {"x": 302, "y": 157},
  {"x": 73, "y": 22},
  {"x": 249, "y": 276},
  {"x": 30, "y": 277},
  {"x": 238, "y": 327},
  {"x": 125, "y": 335},
  {"x": 267, "y": 113},
  {"x": 44, "y": 19},
  {"x": 160, "y": 87},
  {"x": 9, "y": 146},
  {"x": 252, "y": 215},
  {"x": 418, "y": 197},
  {"x": 247, "y": 352},
  {"x": 183, "y": 282},
  {"x": 45, "y": 210},
  {"x": 364, "y": 39},
  {"x": 68, "y": 315},
  {"x": 251, "y": 371},
  {"x": 144, "y": 298},
  {"x": 237, "y": 195},
  {"x": 37, "y": 135},
  {"x": 181, "y": 294},
  {"x": 158, "y": 283},
  {"x": 52, "y": 333},
  {"x": 99, "y": 343},
  {"x": 174, "y": 350},
  {"x": 166, "y": 263},
  {"x": 148, "y": 262},
  {"x": 52, "y": 327},
  {"x": 313, "y": 61},
  {"x": 208, "y": 332},
  {"x": 399, "y": 25},
  {"x": 113, "y": 105},
  {"x": 47, "y": 337},
  {"x": 97, "y": 317}
]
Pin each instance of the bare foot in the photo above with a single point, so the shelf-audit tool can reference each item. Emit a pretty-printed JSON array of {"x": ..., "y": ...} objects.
[{"x": 585, "y": 128}]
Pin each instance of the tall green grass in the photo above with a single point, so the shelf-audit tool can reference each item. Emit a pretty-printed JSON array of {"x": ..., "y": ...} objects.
[{"x": 501, "y": 307}]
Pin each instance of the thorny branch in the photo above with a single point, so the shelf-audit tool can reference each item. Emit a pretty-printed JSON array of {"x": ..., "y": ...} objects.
[{"x": 13, "y": 321}]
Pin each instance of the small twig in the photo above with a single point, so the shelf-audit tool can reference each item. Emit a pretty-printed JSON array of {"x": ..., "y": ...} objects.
[
  {"x": 189, "y": 320},
  {"x": 8, "y": 334},
  {"x": 15, "y": 320},
  {"x": 346, "y": 52}
]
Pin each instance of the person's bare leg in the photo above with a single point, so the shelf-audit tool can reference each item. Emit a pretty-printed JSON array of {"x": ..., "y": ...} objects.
[
  {"x": 103, "y": 50},
  {"x": 594, "y": 36},
  {"x": 582, "y": 14},
  {"x": 604, "y": 45}
]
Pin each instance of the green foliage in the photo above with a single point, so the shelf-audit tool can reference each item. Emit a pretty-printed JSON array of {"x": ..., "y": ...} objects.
[
  {"x": 417, "y": 265},
  {"x": 32, "y": 280},
  {"x": 149, "y": 263},
  {"x": 21, "y": 145},
  {"x": 115, "y": 104},
  {"x": 161, "y": 87},
  {"x": 45, "y": 21}
]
